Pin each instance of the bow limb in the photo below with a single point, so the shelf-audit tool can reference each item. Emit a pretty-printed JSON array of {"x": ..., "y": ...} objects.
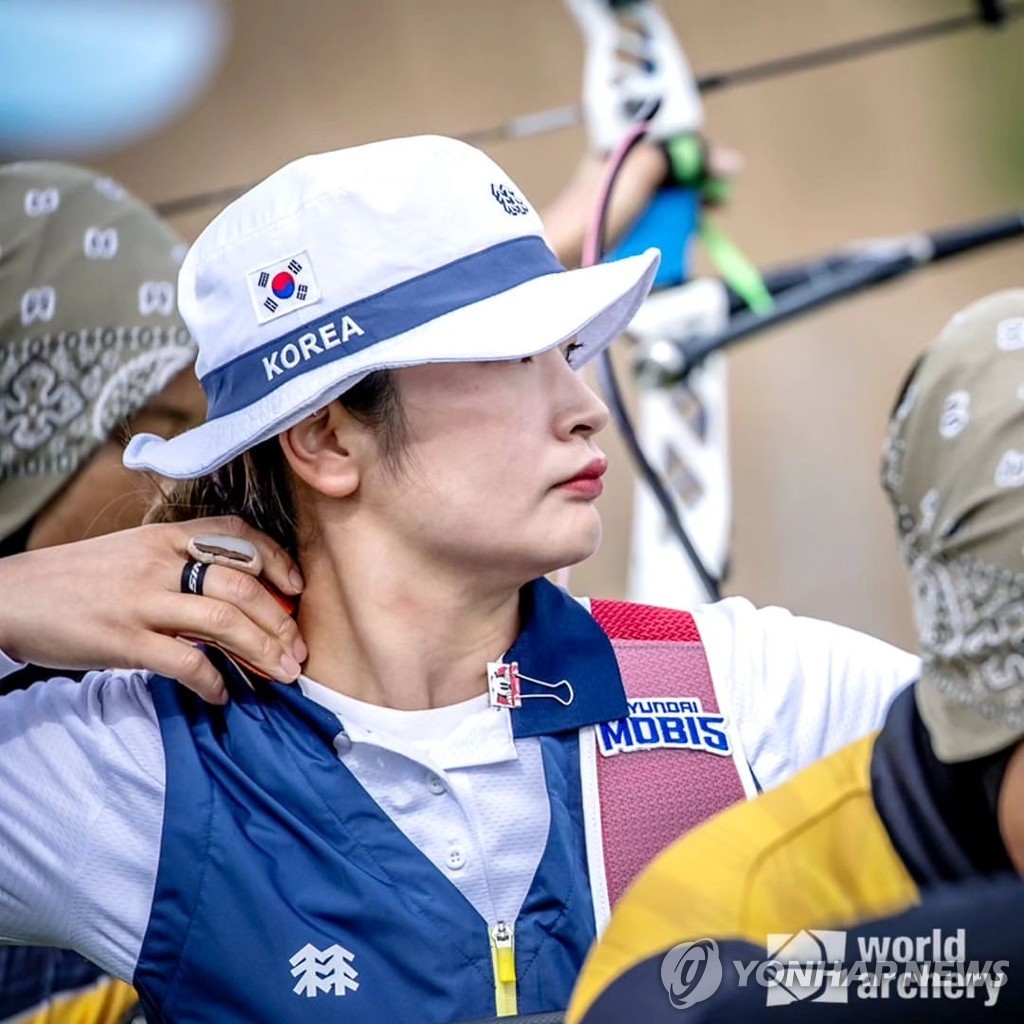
[{"x": 633, "y": 58}]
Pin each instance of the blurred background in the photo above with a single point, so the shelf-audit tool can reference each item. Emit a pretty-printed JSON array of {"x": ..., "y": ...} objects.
[{"x": 211, "y": 94}]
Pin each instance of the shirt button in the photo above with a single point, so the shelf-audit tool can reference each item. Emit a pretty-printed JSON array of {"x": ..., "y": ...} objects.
[
  {"x": 456, "y": 858},
  {"x": 342, "y": 743},
  {"x": 436, "y": 785}
]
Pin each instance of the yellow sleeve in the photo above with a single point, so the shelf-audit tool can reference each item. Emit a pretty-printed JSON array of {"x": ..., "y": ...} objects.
[
  {"x": 812, "y": 852},
  {"x": 105, "y": 1002}
]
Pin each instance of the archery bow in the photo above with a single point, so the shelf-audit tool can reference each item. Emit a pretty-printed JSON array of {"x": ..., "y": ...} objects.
[
  {"x": 637, "y": 80},
  {"x": 683, "y": 331}
]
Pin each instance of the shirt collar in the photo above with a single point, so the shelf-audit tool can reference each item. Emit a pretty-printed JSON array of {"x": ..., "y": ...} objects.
[
  {"x": 464, "y": 735},
  {"x": 560, "y": 640}
]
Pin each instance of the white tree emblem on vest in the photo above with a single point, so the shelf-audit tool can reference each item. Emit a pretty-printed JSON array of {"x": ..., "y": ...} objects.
[{"x": 324, "y": 971}]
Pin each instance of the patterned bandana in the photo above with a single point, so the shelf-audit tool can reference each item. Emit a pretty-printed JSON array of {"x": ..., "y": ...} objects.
[
  {"x": 953, "y": 469},
  {"x": 89, "y": 332}
]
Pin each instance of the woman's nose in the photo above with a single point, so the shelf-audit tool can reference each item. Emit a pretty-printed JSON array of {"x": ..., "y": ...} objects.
[{"x": 583, "y": 411}]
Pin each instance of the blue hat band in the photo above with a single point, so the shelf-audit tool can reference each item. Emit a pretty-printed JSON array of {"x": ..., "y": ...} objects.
[{"x": 360, "y": 325}]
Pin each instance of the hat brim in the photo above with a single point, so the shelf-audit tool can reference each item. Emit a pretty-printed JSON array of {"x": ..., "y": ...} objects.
[{"x": 593, "y": 304}]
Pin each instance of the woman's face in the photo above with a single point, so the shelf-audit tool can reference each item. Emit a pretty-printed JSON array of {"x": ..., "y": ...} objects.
[{"x": 487, "y": 477}]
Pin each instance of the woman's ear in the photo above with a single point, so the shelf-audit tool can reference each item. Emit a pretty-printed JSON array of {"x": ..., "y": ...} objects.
[{"x": 327, "y": 449}]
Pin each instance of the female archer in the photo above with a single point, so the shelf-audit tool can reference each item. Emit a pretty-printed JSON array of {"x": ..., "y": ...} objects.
[{"x": 433, "y": 824}]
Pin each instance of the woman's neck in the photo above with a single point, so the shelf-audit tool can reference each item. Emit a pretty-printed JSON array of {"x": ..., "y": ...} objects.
[{"x": 387, "y": 631}]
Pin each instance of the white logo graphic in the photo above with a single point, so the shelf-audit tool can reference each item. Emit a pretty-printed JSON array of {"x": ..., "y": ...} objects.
[
  {"x": 1010, "y": 471},
  {"x": 956, "y": 414},
  {"x": 99, "y": 244},
  {"x": 808, "y": 967},
  {"x": 156, "y": 297},
  {"x": 691, "y": 972},
  {"x": 38, "y": 304},
  {"x": 282, "y": 287},
  {"x": 679, "y": 722},
  {"x": 40, "y": 201},
  {"x": 110, "y": 188},
  {"x": 328, "y": 970},
  {"x": 1010, "y": 334},
  {"x": 929, "y": 507},
  {"x": 312, "y": 343}
]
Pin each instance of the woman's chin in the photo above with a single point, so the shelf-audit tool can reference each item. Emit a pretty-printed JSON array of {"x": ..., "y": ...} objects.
[{"x": 576, "y": 549}]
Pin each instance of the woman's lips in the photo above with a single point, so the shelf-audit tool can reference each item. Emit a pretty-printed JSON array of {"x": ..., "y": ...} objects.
[{"x": 587, "y": 482}]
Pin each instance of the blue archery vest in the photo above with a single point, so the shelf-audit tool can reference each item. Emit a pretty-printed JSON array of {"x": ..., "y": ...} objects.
[{"x": 277, "y": 869}]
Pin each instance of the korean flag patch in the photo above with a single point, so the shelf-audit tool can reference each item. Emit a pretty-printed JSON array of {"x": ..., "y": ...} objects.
[{"x": 283, "y": 287}]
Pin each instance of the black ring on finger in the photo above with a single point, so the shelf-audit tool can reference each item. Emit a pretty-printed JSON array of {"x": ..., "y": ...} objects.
[{"x": 192, "y": 575}]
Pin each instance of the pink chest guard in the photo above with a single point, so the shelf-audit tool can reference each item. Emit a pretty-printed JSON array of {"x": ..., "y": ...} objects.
[{"x": 667, "y": 767}]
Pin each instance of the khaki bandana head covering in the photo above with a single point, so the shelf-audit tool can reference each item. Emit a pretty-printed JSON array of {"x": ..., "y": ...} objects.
[
  {"x": 954, "y": 472},
  {"x": 89, "y": 332}
]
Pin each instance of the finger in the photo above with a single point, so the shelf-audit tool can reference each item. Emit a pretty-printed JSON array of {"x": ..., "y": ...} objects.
[
  {"x": 178, "y": 659},
  {"x": 227, "y": 626},
  {"x": 278, "y": 566},
  {"x": 252, "y": 597}
]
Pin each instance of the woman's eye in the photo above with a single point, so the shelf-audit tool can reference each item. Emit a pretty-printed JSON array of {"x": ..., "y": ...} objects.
[{"x": 526, "y": 359}]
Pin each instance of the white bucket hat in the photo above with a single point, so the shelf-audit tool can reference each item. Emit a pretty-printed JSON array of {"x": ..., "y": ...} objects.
[{"x": 397, "y": 253}]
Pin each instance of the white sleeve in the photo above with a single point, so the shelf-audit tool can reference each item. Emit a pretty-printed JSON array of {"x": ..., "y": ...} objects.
[
  {"x": 81, "y": 812},
  {"x": 795, "y": 688}
]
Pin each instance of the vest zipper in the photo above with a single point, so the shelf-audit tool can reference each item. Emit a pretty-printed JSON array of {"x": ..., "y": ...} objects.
[{"x": 503, "y": 961}]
